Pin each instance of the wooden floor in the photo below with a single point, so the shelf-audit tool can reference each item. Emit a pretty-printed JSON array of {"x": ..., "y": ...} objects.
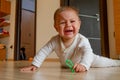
[{"x": 9, "y": 70}]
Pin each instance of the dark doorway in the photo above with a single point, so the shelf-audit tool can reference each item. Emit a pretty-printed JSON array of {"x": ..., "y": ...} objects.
[
  {"x": 25, "y": 29},
  {"x": 92, "y": 26}
]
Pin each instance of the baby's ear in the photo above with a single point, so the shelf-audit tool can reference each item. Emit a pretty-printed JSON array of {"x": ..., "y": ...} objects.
[{"x": 55, "y": 27}]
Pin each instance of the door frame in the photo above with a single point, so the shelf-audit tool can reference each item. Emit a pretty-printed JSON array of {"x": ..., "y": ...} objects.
[
  {"x": 18, "y": 29},
  {"x": 103, "y": 25},
  {"x": 104, "y": 28}
]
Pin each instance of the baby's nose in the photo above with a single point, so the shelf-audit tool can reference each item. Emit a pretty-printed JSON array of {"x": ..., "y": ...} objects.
[{"x": 68, "y": 24}]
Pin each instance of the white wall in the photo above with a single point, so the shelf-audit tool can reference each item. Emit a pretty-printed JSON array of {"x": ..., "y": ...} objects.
[
  {"x": 44, "y": 26},
  {"x": 45, "y": 29}
]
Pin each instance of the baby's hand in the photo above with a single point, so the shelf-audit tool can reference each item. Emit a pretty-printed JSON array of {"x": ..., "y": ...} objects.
[
  {"x": 28, "y": 68},
  {"x": 79, "y": 68}
]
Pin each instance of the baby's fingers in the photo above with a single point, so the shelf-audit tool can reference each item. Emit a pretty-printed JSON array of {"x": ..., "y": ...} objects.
[
  {"x": 25, "y": 69},
  {"x": 79, "y": 68},
  {"x": 29, "y": 68},
  {"x": 75, "y": 66}
]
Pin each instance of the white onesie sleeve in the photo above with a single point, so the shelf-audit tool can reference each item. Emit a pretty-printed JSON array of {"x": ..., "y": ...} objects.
[
  {"x": 88, "y": 55},
  {"x": 43, "y": 53}
]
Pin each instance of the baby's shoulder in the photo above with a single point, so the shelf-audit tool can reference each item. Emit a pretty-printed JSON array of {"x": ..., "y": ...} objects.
[
  {"x": 81, "y": 37},
  {"x": 82, "y": 40},
  {"x": 55, "y": 39}
]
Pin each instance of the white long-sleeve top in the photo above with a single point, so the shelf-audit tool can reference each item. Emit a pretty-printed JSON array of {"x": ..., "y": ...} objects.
[{"x": 80, "y": 51}]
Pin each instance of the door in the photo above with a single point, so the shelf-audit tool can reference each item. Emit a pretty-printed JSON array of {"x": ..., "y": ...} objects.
[
  {"x": 27, "y": 34},
  {"x": 25, "y": 31},
  {"x": 116, "y": 7},
  {"x": 90, "y": 26}
]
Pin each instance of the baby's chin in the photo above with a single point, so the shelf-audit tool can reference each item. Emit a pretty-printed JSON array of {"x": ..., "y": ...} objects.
[{"x": 67, "y": 37}]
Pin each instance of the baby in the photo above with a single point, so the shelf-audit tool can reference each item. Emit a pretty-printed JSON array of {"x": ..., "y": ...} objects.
[{"x": 70, "y": 44}]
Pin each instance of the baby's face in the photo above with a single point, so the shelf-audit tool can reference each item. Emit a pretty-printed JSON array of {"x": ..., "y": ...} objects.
[{"x": 67, "y": 24}]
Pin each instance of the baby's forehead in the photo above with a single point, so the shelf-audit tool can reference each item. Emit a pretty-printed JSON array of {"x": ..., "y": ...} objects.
[{"x": 67, "y": 13}]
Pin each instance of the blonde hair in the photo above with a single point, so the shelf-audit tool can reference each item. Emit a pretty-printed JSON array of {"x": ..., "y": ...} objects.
[{"x": 61, "y": 9}]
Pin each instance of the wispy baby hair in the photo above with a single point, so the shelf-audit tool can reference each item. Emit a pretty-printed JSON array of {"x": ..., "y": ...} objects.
[{"x": 64, "y": 8}]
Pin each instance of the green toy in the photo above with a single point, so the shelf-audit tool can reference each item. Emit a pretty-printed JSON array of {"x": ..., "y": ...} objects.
[{"x": 70, "y": 64}]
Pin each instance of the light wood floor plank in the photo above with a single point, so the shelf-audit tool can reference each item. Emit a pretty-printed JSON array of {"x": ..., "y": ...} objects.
[{"x": 9, "y": 70}]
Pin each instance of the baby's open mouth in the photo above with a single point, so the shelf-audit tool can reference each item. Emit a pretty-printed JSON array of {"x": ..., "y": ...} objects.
[{"x": 68, "y": 30}]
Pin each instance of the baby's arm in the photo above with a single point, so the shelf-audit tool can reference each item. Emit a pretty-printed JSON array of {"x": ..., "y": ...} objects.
[
  {"x": 40, "y": 56},
  {"x": 29, "y": 68},
  {"x": 88, "y": 55}
]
